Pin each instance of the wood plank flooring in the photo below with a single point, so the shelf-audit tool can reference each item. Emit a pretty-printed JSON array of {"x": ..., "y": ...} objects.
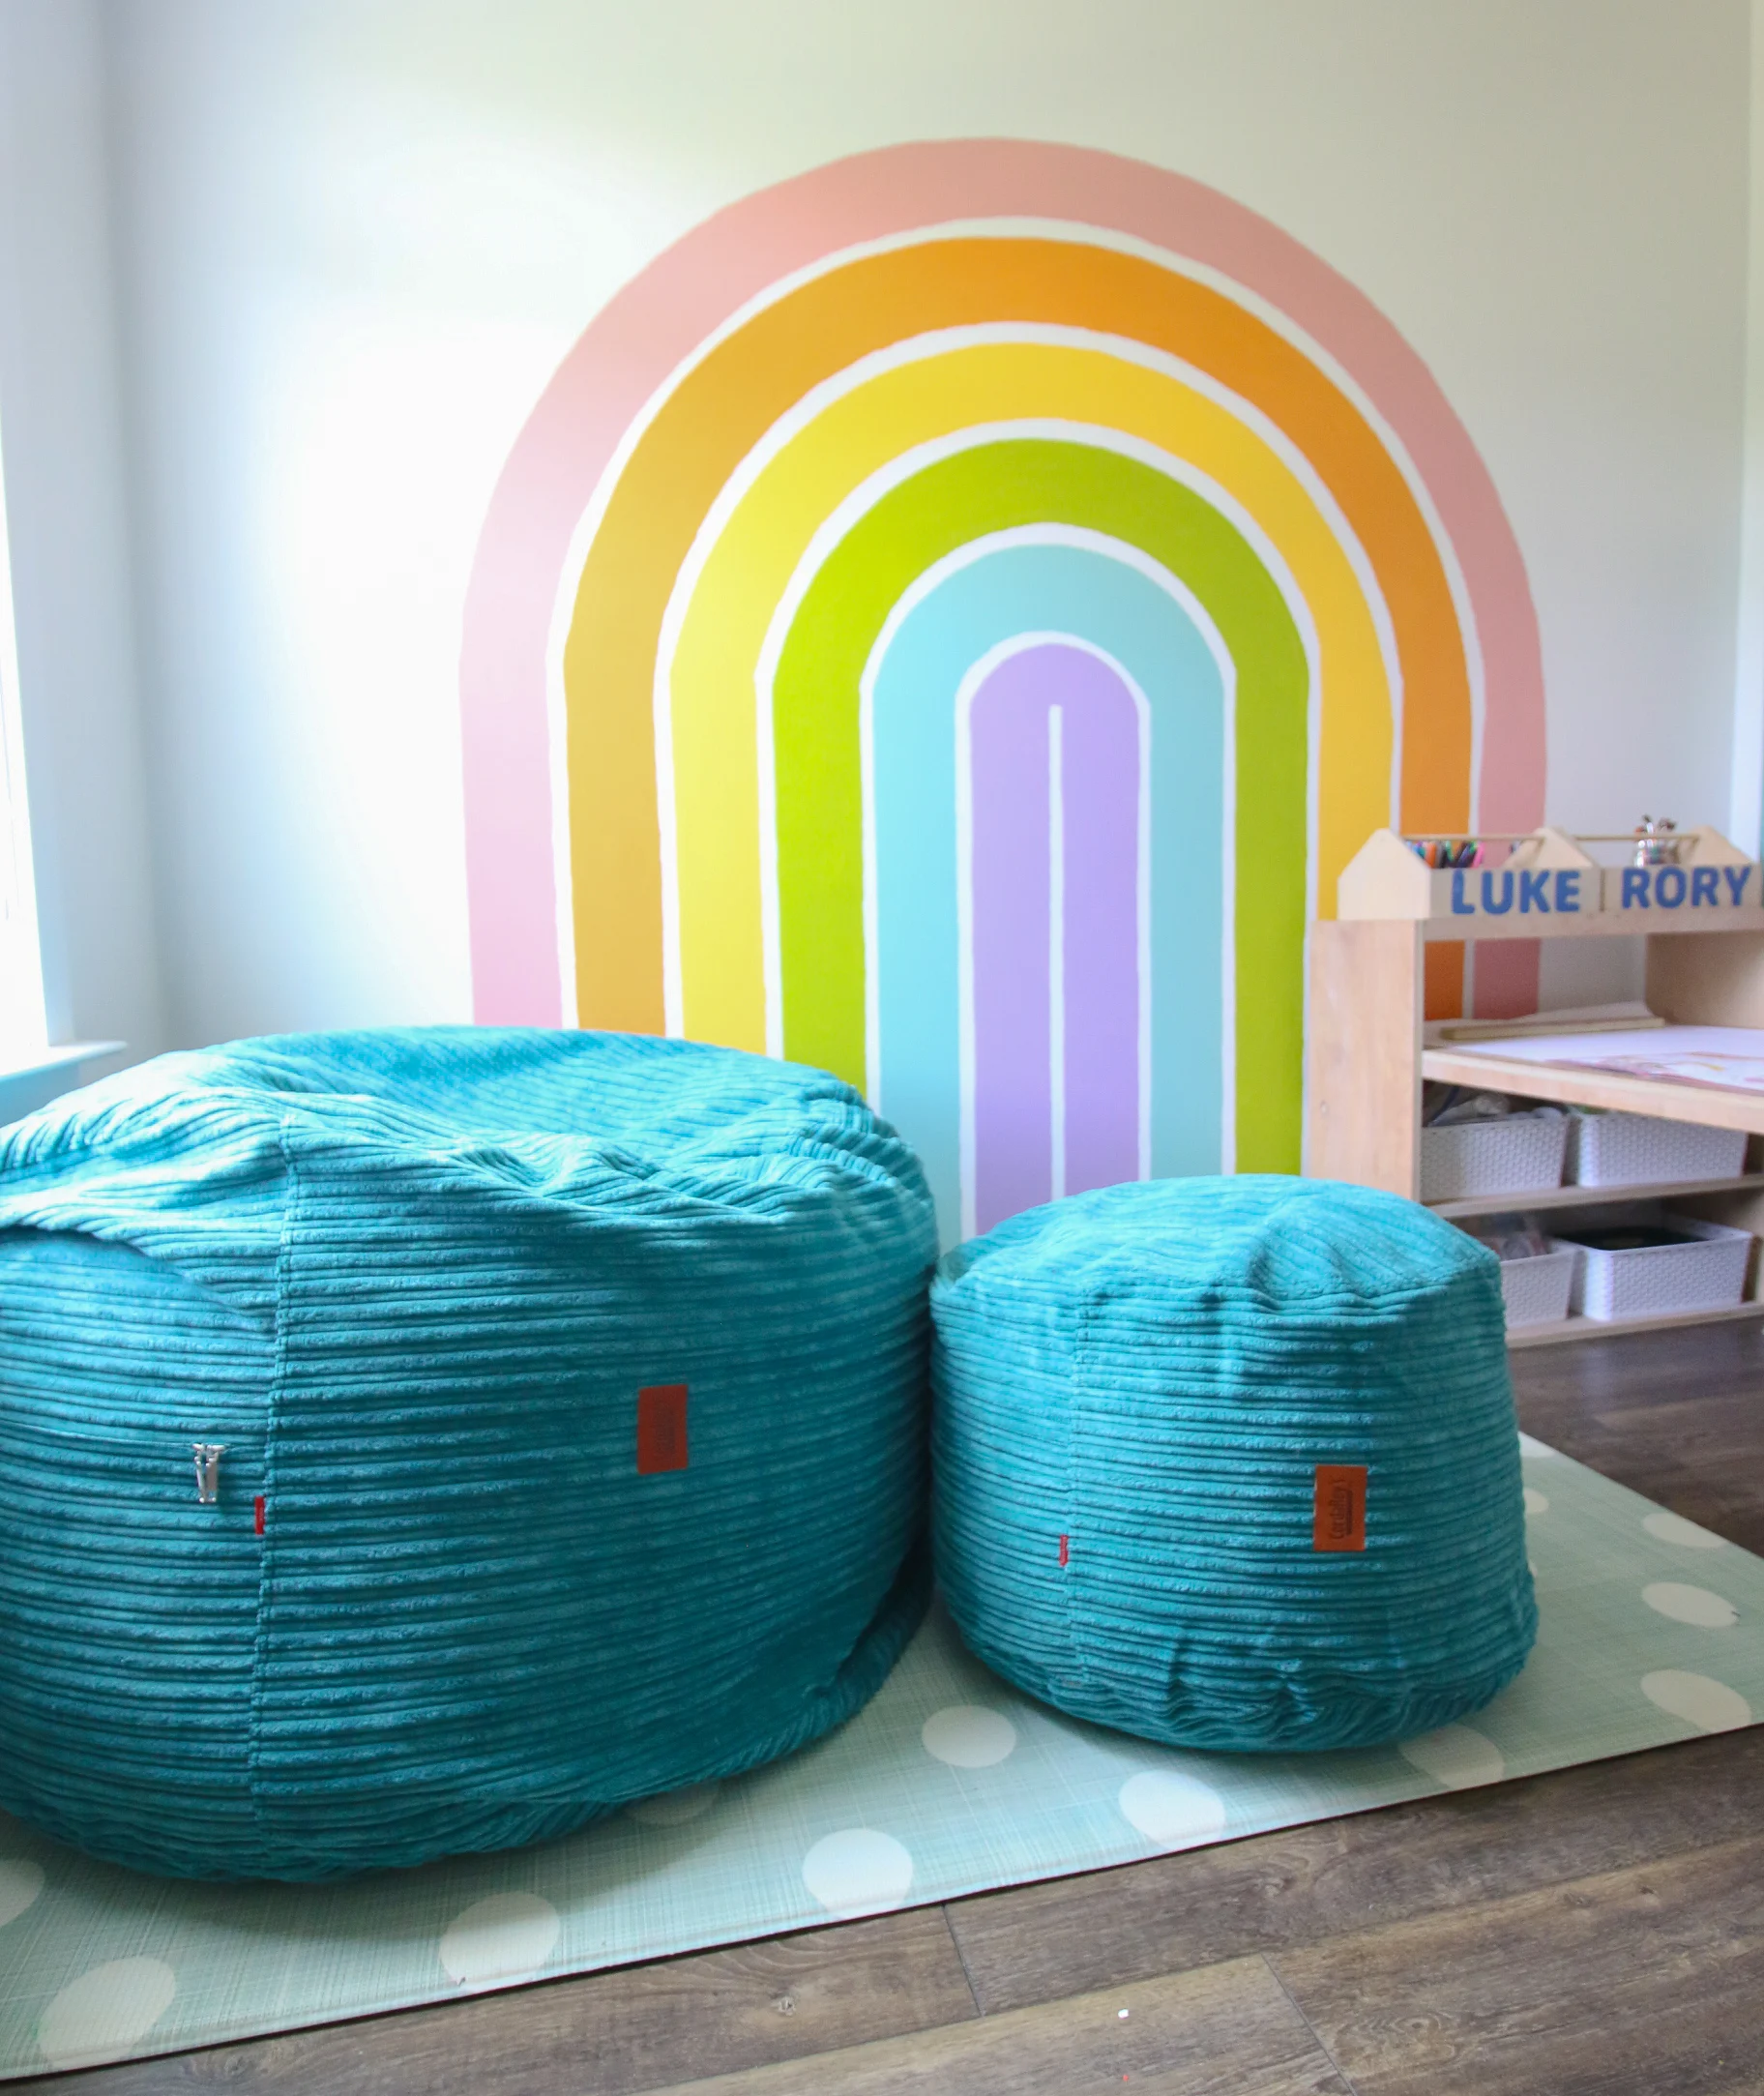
[{"x": 1593, "y": 1932}]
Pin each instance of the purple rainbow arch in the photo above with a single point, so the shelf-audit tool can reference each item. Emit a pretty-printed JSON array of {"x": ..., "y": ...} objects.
[{"x": 1056, "y": 920}]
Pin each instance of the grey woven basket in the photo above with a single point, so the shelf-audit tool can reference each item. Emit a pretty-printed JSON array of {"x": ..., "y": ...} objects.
[
  {"x": 1521, "y": 1154},
  {"x": 1638, "y": 1149},
  {"x": 1536, "y": 1291},
  {"x": 1659, "y": 1281}
]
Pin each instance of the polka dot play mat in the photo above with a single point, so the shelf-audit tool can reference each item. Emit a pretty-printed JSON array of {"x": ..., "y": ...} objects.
[{"x": 949, "y": 1782}]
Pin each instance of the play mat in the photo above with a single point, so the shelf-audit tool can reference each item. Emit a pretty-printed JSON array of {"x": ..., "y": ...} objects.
[{"x": 949, "y": 1782}]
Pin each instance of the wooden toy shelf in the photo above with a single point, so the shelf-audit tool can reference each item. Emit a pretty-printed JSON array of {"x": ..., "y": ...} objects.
[
  {"x": 1591, "y": 1197},
  {"x": 1366, "y": 1060}
]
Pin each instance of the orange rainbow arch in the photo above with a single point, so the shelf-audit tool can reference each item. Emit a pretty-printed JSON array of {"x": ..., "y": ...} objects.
[{"x": 682, "y": 669}]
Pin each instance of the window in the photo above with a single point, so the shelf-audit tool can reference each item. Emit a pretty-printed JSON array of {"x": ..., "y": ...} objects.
[{"x": 23, "y": 1031}]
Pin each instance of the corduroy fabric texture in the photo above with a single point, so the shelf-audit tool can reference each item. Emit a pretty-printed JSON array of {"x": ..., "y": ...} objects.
[
  {"x": 1133, "y": 1391},
  {"x": 414, "y": 1282}
]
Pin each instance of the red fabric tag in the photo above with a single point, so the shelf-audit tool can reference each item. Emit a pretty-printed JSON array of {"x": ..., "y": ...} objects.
[
  {"x": 1064, "y": 1553},
  {"x": 660, "y": 1429},
  {"x": 1339, "y": 1520},
  {"x": 258, "y": 1514}
]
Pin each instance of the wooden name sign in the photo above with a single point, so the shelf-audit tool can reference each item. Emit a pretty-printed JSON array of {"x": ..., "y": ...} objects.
[
  {"x": 1548, "y": 883},
  {"x": 1652, "y": 891}
]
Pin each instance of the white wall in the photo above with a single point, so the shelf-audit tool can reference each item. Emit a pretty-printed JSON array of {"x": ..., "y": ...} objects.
[
  {"x": 1746, "y": 815},
  {"x": 356, "y": 236},
  {"x": 66, "y": 507}
]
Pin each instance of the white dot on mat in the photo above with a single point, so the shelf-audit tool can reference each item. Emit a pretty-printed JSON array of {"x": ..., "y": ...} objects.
[
  {"x": 1711, "y": 1706},
  {"x": 1171, "y": 1810},
  {"x": 1535, "y": 1503},
  {"x": 20, "y": 1881},
  {"x": 104, "y": 2011},
  {"x": 1538, "y": 1451},
  {"x": 1667, "y": 1528},
  {"x": 504, "y": 1938},
  {"x": 858, "y": 1870},
  {"x": 1692, "y": 1604},
  {"x": 674, "y": 1808},
  {"x": 1457, "y": 1756},
  {"x": 967, "y": 1735}
]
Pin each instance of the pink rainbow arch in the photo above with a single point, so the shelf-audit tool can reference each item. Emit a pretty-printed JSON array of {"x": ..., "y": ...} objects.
[{"x": 691, "y": 288}]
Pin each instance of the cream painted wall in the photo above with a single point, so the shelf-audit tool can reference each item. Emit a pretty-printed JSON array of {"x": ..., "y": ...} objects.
[
  {"x": 1746, "y": 815},
  {"x": 356, "y": 236},
  {"x": 65, "y": 497}
]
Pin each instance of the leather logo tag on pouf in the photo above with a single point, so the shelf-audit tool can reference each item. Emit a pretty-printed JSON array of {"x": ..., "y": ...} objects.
[
  {"x": 1340, "y": 1521},
  {"x": 662, "y": 1428}
]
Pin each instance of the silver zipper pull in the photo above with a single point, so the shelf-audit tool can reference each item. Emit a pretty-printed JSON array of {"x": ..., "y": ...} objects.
[{"x": 207, "y": 1456}]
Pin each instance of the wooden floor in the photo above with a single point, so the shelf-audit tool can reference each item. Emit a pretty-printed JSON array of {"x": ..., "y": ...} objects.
[{"x": 1600, "y": 1929}]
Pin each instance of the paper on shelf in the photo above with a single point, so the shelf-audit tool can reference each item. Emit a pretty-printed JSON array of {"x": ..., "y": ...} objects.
[{"x": 1719, "y": 1058}]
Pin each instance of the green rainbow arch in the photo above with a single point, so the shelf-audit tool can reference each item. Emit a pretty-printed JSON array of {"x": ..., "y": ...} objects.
[{"x": 815, "y": 702}]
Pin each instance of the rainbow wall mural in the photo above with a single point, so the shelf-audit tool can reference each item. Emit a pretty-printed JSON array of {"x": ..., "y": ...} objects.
[{"x": 949, "y": 620}]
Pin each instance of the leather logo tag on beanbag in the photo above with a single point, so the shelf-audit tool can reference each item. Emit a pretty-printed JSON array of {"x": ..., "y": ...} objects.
[
  {"x": 662, "y": 1428},
  {"x": 1340, "y": 1521}
]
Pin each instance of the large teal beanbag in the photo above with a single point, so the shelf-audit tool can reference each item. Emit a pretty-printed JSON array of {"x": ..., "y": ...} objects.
[
  {"x": 571, "y": 1395},
  {"x": 1232, "y": 1463}
]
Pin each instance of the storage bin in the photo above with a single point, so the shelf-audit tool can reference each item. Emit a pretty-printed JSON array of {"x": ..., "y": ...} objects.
[
  {"x": 1536, "y": 1291},
  {"x": 1521, "y": 1154},
  {"x": 1635, "y": 1149},
  {"x": 1659, "y": 1281}
]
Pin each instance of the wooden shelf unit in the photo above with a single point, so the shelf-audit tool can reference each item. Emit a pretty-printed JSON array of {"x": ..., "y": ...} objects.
[
  {"x": 1552, "y": 1335},
  {"x": 1590, "y": 1196},
  {"x": 1365, "y": 1063}
]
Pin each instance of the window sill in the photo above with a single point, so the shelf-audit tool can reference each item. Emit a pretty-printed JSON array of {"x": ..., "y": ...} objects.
[{"x": 38, "y": 1062}]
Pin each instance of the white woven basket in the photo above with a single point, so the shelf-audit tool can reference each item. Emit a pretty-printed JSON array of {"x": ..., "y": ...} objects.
[
  {"x": 1635, "y": 1149},
  {"x": 1663, "y": 1279},
  {"x": 1519, "y": 1155},
  {"x": 1536, "y": 1291}
]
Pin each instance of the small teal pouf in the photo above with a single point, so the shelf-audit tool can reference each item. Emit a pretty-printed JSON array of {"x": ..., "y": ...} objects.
[
  {"x": 575, "y": 1382},
  {"x": 1232, "y": 1463}
]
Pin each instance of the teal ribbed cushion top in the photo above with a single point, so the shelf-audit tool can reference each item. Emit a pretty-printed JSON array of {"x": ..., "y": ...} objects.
[
  {"x": 1232, "y": 1463},
  {"x": 571, "y": 1394}
]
